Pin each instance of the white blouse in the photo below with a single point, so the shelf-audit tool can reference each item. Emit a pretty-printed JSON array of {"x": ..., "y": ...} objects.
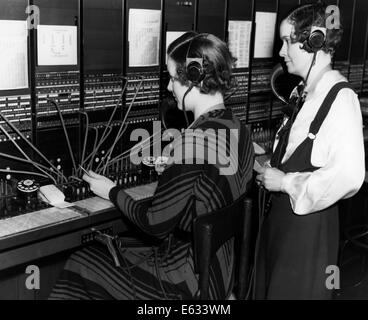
[{"x": 338, "y": 150}]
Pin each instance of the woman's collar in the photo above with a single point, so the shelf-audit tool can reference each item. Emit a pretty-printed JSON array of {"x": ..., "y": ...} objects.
[
  {"x": 205, "y": 112},
  {"x": 327, "y": 80}
]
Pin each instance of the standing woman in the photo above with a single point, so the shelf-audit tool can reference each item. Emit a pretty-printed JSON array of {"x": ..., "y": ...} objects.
[
  {"x": 200, "y": 67},
  {"x": 318, "y": 159}
]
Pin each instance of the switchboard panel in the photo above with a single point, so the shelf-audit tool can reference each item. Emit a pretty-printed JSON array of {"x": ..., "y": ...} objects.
[
  {"x": 239, "y": 36},
  {"x": 102, "y": 57},
  {"x": 100, "y": 66},
  {"x": 143, "y": 32},
  {"x": 357, "y": 44},
  {"x": 57, "y": 63},
  {"x": 262, "y": 60},
  {"x": 15, "y": 94}
]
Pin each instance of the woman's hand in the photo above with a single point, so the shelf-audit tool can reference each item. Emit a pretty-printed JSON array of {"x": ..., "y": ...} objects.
[
  {"x": 99, "y": 185},
  {"x": 270, "y": 178}
]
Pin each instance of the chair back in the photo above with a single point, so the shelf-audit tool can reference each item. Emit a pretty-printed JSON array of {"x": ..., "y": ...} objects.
[{"x": 212, "y": 230}]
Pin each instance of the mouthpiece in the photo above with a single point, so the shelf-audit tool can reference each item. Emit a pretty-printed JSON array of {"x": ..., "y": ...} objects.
[{"x": 276, "y": 72}]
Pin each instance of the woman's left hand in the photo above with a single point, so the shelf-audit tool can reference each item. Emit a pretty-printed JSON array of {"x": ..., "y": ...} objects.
[{"x": 271, "y": 179}]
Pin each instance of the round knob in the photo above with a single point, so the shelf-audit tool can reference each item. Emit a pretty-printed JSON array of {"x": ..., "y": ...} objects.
[{"x": 8, "y": 176}]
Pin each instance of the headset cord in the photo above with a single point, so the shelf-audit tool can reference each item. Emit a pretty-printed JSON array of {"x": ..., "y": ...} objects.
[
  {"x": 128, "y": 268},
  {"x": 261, "y": 215},
  {"x": 168, "y": 250},
  {"x": 299, "y": 103},
  {"x": 231, "y": 93},
  {"x": 130, "y": 276},
  {"x": 263, "y": 202},
  {"x": 183, "y": 103},
  {"x": 154, "y": 255},
  {"x": 158, "y": 273}
]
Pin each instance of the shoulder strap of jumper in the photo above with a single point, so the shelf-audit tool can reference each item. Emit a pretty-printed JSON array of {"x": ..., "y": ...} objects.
[{"x": 326, "y": 106}]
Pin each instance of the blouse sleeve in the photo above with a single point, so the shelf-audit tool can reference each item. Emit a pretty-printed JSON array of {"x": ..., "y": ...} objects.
[
  {"x": 169, "y": 204},
  {"x": 344, "y": 172}
]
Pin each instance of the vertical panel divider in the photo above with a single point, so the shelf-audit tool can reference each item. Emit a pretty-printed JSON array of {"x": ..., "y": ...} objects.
[
  {"x": 32, "y": 78},
  {"x": 351, "y": 37},
  {"x": 125, "y": 38},
  {"x": 163, "y": 44},
  {"x": 226, "y": 19},
  {"x": 162, "y": 52},
  {"x": 196, "y": 4},
  {"x": 124, "y": 61},
  {"x": 278, "y": 18},
  {"x": 80, "y": 26},
  {"x": 365, "y": 58},
  {"x": 333, "y": 57},
  {"x": 251, "y": 57}
]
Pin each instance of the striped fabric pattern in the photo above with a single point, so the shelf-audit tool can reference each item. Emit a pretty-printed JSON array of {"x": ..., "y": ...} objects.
[{"x": 165, "y": 271}]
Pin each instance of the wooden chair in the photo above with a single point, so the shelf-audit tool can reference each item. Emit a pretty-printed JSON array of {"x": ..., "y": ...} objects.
[{"x": 211, "y": 231}]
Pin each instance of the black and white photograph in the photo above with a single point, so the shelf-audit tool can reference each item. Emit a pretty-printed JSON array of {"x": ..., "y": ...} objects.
[{"x": 211, "y": 151}]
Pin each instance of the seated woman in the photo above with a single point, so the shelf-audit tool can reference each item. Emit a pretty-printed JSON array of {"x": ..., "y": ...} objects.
[{"x": 200, "y": 73}]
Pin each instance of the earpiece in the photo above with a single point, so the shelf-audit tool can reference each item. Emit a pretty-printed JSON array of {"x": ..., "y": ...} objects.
[
  {"x": 316, "y": 40},
  {"x": 194, "y": 67},
  {"x": 194, "y": 70}
]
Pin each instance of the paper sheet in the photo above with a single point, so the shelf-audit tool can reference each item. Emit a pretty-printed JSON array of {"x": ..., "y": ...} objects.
[
  {"x": 261, "y": 162},
  {"x": 265, "y": 34},
  {"x": 13, "y": 55},
  {"x": 53, "y": 196},
  {"x": 239, "y": 41},
  {"x": 35, "y": 219},
  {"x": 57, "y": 45},
  {"x": 144, "y": 37},
  {"x": 258, "y": 149},
  {"x": 62, "y": 205},
  {"x": 257, "y": 167},
  {"x": 94, "y": 204}
]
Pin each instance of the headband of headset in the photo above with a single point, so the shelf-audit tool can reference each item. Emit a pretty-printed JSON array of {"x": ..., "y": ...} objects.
[{"x": 194, "y": 66}]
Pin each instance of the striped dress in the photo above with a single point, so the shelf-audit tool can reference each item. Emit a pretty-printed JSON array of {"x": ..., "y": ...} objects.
[{"x": 165, "y": 270}]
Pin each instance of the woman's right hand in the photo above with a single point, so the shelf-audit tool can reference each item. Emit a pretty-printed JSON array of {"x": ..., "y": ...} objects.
[
  {"x": 99, "y": 185},
  {"x": 271, "y": 178}
]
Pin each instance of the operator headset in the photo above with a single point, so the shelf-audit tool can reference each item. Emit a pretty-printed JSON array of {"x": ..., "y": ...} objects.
[
  {"x": 316, "y": 40},
  {"x": 194, "y": 70}
]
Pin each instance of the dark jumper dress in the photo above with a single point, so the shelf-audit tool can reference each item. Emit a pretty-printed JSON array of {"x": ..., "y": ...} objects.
[{"x": 295, "y": 250}]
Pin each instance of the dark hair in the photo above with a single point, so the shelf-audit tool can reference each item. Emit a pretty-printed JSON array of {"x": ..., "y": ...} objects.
[
  {"x": 306, "y": 16},
  {"x": 217, "y": 60}
]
